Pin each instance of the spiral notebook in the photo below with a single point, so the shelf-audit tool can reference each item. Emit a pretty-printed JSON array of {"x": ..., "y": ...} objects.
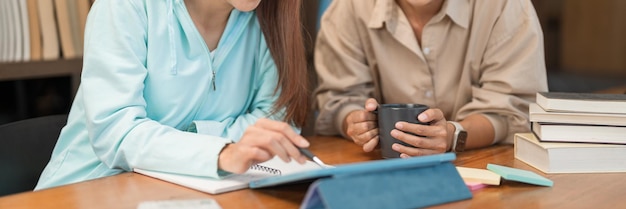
[{"x": 273, "y": 167}]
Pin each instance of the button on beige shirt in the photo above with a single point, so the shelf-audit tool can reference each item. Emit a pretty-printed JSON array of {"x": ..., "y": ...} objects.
[{"x": 475, "y": 57}]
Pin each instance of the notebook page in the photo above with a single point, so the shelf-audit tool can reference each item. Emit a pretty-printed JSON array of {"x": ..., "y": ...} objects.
[
  {"x": 205, "y": 184},
  {"x": 232, "y": 182}
]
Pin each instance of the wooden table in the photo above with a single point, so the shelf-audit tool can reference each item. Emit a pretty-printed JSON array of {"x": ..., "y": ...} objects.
[{"x": 129, "y": 189}]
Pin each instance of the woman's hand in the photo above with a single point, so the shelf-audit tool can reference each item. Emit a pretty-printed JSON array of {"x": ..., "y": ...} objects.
[
  {"x": 434, "y": 136},
  {"x": 261, "y": 142},
  {"x": 362, "y": 126}
]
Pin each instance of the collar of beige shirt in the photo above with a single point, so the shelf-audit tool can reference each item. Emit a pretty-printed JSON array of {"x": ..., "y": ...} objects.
[{"x": 457, "y": 10}]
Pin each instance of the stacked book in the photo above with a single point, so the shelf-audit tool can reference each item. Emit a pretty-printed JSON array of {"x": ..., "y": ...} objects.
[{"x": 575, "y": 133}]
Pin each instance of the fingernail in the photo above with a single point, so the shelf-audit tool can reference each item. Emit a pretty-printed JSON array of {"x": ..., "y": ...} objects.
[
  {"x": 399, "y": 125},
  {"x": 395, "y": 147},
  {"x": 304, "y": 143},
  {"x": 394, "y": 133},
  {"x": 422, "y": 117},
  {"x": 370, "y": 105}
]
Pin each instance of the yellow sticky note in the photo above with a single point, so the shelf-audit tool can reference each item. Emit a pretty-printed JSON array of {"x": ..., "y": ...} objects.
[{"x": 479, "y": 175}]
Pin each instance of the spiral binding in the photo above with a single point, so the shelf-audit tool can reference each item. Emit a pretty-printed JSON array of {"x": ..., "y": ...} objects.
[{"x": 265, "y": 169}]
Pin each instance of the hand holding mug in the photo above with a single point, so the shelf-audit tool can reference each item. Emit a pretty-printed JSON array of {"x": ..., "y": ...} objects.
[
  {"x": 393, "y": 117},
  {"x": 362, "y": 126},
  {"x": 423, "y": 139}
]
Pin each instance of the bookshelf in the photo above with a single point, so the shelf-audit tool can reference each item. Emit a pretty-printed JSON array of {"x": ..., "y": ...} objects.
[
  {"x": 42, "y": 47},
  {"x": 43, "y": 69}
]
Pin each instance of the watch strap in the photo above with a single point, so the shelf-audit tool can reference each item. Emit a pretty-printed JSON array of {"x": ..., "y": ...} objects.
[{"x": 459, "y": 138}]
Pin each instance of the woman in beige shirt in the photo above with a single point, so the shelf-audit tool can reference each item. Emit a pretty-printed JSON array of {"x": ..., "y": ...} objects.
[{"x": 476, "y": 62}]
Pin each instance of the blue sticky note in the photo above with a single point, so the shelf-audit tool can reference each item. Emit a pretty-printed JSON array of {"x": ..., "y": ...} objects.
[{"x": 514, "y": 174}]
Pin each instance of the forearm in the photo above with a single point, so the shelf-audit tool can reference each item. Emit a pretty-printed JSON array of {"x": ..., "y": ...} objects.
[
  {"x": 480, "y": 131},
  {"x": 146, "y": 144}
]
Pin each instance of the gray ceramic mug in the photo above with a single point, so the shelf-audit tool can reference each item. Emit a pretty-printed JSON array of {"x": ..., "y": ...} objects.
[{"x": 388, "y": 115}]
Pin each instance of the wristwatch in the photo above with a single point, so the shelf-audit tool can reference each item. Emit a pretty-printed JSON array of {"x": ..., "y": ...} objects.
[{"x": 460, "y": 137}]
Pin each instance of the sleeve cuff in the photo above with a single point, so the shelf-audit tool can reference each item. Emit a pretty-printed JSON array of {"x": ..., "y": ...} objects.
[
  {"x": 222, "y": 173},
  {"x": 499, "y": 127},
  {"x": 341, "y": 116},
  {"x": 208, "y": 127}
]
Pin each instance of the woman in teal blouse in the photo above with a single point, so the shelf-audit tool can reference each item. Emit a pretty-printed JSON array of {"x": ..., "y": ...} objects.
[{"x": 194, "y": 87}]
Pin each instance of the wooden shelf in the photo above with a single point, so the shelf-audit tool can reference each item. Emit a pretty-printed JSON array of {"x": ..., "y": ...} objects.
[{"x": 43, "y": 69}]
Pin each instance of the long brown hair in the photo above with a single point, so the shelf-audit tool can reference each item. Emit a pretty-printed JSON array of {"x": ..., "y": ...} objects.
[{"x": 280, "y": 23}]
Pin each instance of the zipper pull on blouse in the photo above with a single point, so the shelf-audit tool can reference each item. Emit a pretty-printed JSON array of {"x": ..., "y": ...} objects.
[{"x": 213, "y": 81}]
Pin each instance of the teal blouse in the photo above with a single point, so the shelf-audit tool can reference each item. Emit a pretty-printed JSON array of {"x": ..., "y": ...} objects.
[{"x": 152, "y": 96}]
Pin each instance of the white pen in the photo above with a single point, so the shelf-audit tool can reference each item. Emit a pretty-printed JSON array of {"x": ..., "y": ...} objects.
[{"x": 311, "y": 156}]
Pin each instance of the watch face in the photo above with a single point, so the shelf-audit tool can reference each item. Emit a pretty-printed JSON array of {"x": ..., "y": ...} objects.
[{"x": 460, "y": 143}]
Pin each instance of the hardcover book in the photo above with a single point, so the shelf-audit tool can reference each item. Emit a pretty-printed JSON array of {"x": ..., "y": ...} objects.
[
  {"x": 67, "y": 22},
  {"x": 82, "y": 7},
  {"x": 538, "y": 114},
  {"x": 13, "y": 33},
  {"x": 34, "y": 30},
  {"x": 24, "y": 41},
  {"x": 563, "y": 132},
  {"x": 582, "y": 102},
  {"x": 569, "y": 157},
  {"x": 48, "y": 25}
]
